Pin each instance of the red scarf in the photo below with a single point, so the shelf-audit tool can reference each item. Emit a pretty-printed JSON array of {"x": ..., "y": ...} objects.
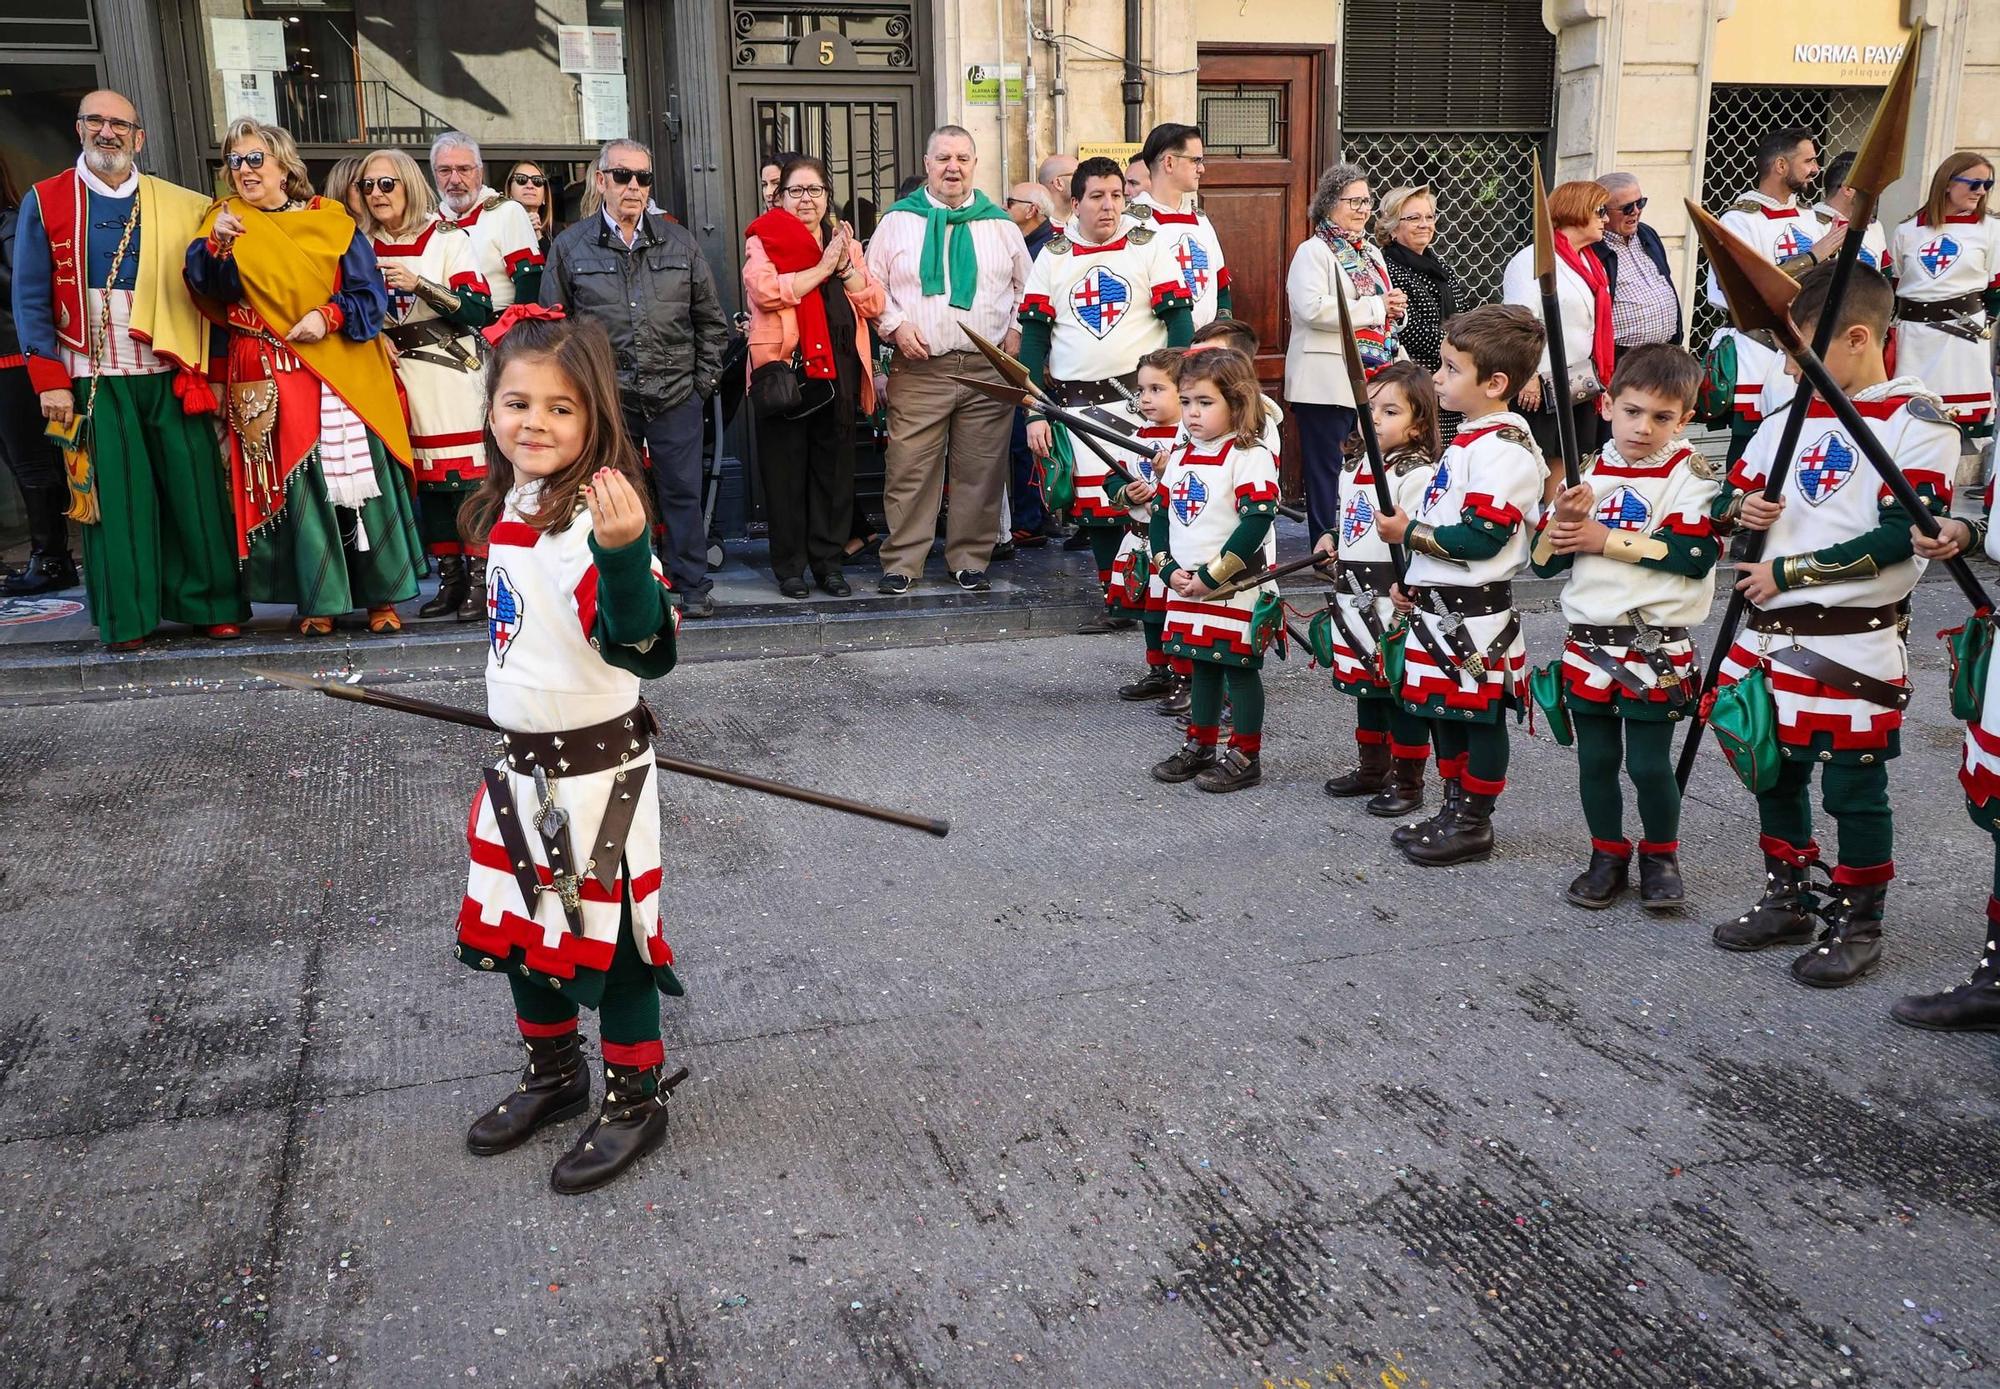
[
  {"x": 1594, "y": 274},
  {"x": 790, "y": 245}
]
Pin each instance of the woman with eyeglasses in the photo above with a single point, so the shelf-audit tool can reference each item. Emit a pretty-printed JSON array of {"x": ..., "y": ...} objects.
[
  {"x": 318, "y": 446},
  {"x": 809, "y": 292},
  {"x": 1407, "y": 229},
  {"x": 1337, "y": 259},
  {"x": 528, "y": 185},
  {"x": 1583, "y": 292},
  {"x": 1945, "y": 263},
  {"x": 438, "y": 301}
]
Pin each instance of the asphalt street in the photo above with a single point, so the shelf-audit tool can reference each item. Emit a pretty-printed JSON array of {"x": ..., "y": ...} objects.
[{"x": 1121, "y": 1084}]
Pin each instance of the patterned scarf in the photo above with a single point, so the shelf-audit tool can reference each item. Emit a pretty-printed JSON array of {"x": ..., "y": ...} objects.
[{"x": 1378, "y": 345}]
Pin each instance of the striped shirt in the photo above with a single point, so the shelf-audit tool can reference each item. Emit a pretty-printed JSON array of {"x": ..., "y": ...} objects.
[
  {"x": 895, "y": 254},
  {"x": 1644, "y": 307}
]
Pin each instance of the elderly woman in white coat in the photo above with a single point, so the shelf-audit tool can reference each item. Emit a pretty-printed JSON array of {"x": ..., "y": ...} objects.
[
  {"x": 1583, "y": 292},
  {"x": 1337, "y": 259}
]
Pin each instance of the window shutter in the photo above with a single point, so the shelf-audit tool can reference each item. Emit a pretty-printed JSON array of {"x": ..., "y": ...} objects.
[{"x": 1446, "y": 65}]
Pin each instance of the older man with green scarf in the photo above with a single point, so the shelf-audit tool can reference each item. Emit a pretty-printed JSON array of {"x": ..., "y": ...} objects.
[{"x": 947, "y": 255}]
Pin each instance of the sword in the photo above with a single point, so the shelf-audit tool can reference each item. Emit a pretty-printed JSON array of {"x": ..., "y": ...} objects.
[{"x": 1470, "y": 659}]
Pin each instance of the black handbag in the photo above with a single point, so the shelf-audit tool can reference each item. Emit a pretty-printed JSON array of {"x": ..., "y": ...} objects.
[{"x": 783, "y": 389}]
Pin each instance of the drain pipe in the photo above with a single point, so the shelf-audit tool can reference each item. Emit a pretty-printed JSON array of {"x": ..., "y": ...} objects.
[
  {"x": 1134, "y": 86},
  {"x": 1000, "y": 97},
  {"x": 1027, "y": 84}
]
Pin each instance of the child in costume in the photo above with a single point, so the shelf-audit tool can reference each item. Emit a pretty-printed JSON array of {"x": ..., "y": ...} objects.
[
  {"x": 1393, "y": 743},
  {"x": 1136, "y": 588},
  {"x": 1637, "y": 543},
  {"x": 1467, "y": 538},
  {"x": 1829, "y": 606},
  {"x": 1219, "y": 498},
  {"x": 563, "y": 895}
]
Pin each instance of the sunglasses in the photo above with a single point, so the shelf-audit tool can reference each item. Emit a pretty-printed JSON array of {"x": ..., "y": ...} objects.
[
  {"x": 529, "y": 180},
  {"x": 1600, "y": 211},
  {"x": 369, "y": 185},
  {"x": 1636, "y": 205},
  {"x": 252, "y": 160},
  {"x": 622, "y": 176},
  {"x": 1977, "y": 185}
]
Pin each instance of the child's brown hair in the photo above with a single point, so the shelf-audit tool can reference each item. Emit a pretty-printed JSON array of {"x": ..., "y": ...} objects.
[
  {"x": 1235, "y": 379},
  {"x": 1868, "y": 303},
  {"x": 1229, "y": 332},
  {"x": 1421, "y": 394},
  {"x": 1502, "y": 340},
  {"x": 1165, "y": 360},
  {"x": 1661, "y": 369},
  {"x": 580, "y": 350}
]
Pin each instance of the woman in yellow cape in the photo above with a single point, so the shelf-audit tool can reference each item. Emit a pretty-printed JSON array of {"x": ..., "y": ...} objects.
[{"x": 319, "y": 449}]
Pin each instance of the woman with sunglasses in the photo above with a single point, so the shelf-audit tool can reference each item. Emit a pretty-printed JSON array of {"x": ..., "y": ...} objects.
[
  {"x": 1945, "y": 263},
  {"x": 1579, "y": 211},
  {"x": 528, "y": 185},
  {"x": 317, "y": 443},
  {"x": 438, "y": 301}
]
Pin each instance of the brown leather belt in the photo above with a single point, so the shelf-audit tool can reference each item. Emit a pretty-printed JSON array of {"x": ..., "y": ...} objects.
[
  {"x": 1374, "y": 576},
  {"x": 598, "y": 747},
  {"x": 455, "y": 345},
  {"x": 1812, "y": 620},
  {"x": 1478, "y": 600},
  {"x": 1937, "y": 310},
  {"x": 1095, "y": 392},
  {"x": 1621, "y": 636}
]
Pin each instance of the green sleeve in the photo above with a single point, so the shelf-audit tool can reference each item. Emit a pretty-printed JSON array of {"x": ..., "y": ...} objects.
[
  {"x": 1178, "y": 315},
  {"x": 1557, "y": 564},
  {"x": 1035, "y": 333},
  {"x": 475, "y": 309},
  {"x": 1690, "y": 556},
  {"x": 1158, "y": 538},
  {"x": 527, "y": 278},
  {"x": 634, "y": 629},
  {"x": 1888, "y": 543},
  {"x": 1991, "y": 300},
  {"x": 1224, "y": 306},
  {"x": 1246, "y": 542},
  {"x": 1474, "y": 538}
]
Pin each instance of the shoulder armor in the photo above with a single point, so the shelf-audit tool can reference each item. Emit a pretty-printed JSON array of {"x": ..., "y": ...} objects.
[
  {"x": 1929, "y": 409},
  {"x": 1409, "y": 462},
  {"x": 1588, "y": 463},
  {"x": 447, "y": 228},
  {"x": 1143, "y": 212},
  {"x": 1058, "y": 245},
  {"x": 1702, "y": 467},
  {"x": 1140, "y": 235},
  {"x": 494, "y": 201},
  {"x": 1745, "y": 205},
  {"x": 1514, "y": 434}
]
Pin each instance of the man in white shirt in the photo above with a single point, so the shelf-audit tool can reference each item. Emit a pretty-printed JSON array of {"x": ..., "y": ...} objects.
[
  {"x": 945, "y": 254},
  {"x": 1171, "y": 205},
  {"x": 510, "y": 253}
]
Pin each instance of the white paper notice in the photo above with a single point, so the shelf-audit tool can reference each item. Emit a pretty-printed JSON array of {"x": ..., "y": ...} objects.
[
  {"x": 603, "y": 101},
  {"x": 590, "y": 48},
  {"x": 248, "y": 45},
  {"x": 249, "y": 94}
]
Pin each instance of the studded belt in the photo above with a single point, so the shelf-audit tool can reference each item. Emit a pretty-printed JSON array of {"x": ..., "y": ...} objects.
[
  {"x": 598, "y": 747},
  {"x": 1095, "y": 392},
  {"x": 1478, "y": 600},
  {"x": 1813, "y": 620}
]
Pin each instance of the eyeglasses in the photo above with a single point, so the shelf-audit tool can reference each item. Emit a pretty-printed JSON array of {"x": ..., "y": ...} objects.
[
  {"x": 252, "y": 160},
  {"x": 442, "y": 169},
  {"x": 1977, "y": 185},
  {"x": 1021, "y": 202},
  {"x": 1418, "y": 218},
  {"x": 799, "y": 191},
  {"x": 369, "y": 185},
  {"x": 529, "y": 180},
  {"x": 1361, "y": 204},
  {"x": 622, "y": 176},
  {"x": 1636, "y": 205},
  {"x": 111, "y": 123}
]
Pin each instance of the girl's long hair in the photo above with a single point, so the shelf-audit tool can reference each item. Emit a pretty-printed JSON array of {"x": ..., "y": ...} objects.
[
  {"x": 1421, "y": 393},
  {"x": 580, "y": 350},
  {"x": 1235, "y": 380},
  {"x": 1934, "y": 208}
]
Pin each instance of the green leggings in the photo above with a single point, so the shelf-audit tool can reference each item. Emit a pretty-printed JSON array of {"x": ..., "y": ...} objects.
[
  {"x": 1104, "y": 543},
  {"x": 1385, "y": 719},
  {"x": 1474, "y": 754},
  {"x": 1857, "y": 798},
  {"x": 1648, "y": 756},
  {"x": 1246, "y": 705},
  {"x": 628, "y": 1016}
]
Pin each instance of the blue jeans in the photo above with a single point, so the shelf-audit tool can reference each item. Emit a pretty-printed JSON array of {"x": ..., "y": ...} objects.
[
  {"x": 671, "y": 441},
  {"x": 1323, "y": 431}
]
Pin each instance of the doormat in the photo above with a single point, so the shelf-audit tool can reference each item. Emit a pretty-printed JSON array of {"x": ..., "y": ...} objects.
[{"x": 16, "y": 611}]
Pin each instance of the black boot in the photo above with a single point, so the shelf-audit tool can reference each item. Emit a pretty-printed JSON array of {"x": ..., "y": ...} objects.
[
  {"x": 1782, "y": 916},
  {"x": 1366, "y": 779},
  {"x": 1598, "y": 886},
  {"x": 630, "y": 1125},
  {"x": 1405, "y": 835},
  {"x": 472, "y": 607},
  {"x": 1180, "y": 698},
  {"x": 1192, "y": 760},
  {"x": 1403, "y": 792},
  {"x": 49, "y": 565},
  {"x": 451, "y": 587},
  {"x": 1660, "y": 887},
  {"x": 1973, "y": 1006},
  {"x": 1468, "y": 838},
  {"x": 1235, "y": 770},
  {"x": 1851, "y": 944},
  {"x": 1157, "y": 682},
  {"x": 555, "y": 1087}
]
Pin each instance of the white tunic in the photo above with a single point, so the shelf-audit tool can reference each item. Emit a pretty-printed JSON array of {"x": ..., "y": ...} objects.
[
  {"x": 1358, "y": 542},
  {"x": 1135, "y": 581},
  {"x": 1936, "y": 263},
  {"x": 1979, "y": 770},
  {"x": 1101, "y": 301},
  {"x": 1196, "y": 250},
  {"x": 504, "y": 234},
  {"x": 1204, "y": 489},
  {"x": 1777, "y": 231},
  {"x": 447, "y": 405}
]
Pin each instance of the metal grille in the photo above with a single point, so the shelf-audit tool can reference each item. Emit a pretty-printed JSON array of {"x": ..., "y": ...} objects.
[
  {"x": 859, "y": 141},
  {"x": 1738, "y": 117},
  {"x": 880, "y": 35},
  {"x": 1242, "y": 118},
  {"x": 1484, "y": 193}
]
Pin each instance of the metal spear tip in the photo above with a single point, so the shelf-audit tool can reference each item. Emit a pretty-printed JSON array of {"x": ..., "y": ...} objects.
[
  {"x": 1013, "y": 395},
  {"x": 1010, "y": 368},
  {"x": 1545, "y": 227},
  {"x": 1758, "y": 293},
  {"x": 1880, "y": 160},
  {"x": 291, "y": 680}
]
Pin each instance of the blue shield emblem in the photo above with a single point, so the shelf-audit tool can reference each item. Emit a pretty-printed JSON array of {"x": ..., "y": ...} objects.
[
  {"x": 1791, "y": 242},
  {"x": 1359, "y": 519},
  {"x": 1439, "y": 484},
  {"x": 1624, "y": 510},
  {"x": 1824, "y": 467},
  {"x": 1938, "y": 255},
  {"x": 503, "y": 613},
  {"x": 1099, "y": 300},
  {"x": 1190, "y": 495},
  {"x": 1192, "y": 258}
]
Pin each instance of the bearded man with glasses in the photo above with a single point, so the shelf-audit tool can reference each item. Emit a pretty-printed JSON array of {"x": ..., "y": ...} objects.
[
  {"x": 642, "y": 276},
  {"x": 503, "y": 232},
  {"x": 118, "y": 356},
  {"x": 1645, "y": 306}
]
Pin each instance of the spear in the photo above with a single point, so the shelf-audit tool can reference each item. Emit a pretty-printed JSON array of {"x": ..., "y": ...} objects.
[
  {"x": 1878, "y": 164},
  {"x": 1236, "y": 585},
  {"x": 1084, "y": 428},
  {"x": 1552, "y": 323},
  {"x": 470, "y": 718},
  {"x": 1015, "y": 373},
  {"x": 1357, "y": 380}
]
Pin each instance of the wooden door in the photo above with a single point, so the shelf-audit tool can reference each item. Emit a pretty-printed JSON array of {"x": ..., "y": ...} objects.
[{"x": 1266, "y": 116}]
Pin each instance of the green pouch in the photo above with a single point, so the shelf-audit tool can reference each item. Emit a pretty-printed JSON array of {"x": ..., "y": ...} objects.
[
  {"x": 1267, "y": 621},
  {"x": 1715, "y": 403},
  {"x": 1545, "y": 687},
  {"x": 1319, "y": 631},
  {"x": 1059, "y": 471},
  {"x": 1389, "y": 654},
  {"x": 1971, "y": 650},
  {"x": 1744, "y": 719}
]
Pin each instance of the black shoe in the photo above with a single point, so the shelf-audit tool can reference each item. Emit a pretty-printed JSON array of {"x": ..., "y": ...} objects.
[
  {"x": 1851, "y": 944},
  {"x": 555, "y": 1087},
  {"x": 1029, "y": 540},
  {"x": 1660, "y": 887},
  {"x": 698, "y": 605},
  {"x": 1598, "y": 886},
  {"x": 972, "y": 580},
  {"x": 452, "y": 588},
  {"x": 1366, "y": 779},
  {"x": 1973, "y": 1006},
  {"x": 894, "y": 584},
  {"x": 1079, "y": 539},
  {"x": 1235, "y": 770},
  {"x": 1404, "y": 835},
  {"x": 1782, "y": 916},
  {"x": 1003, "y": 551},
  {"x": 1177, "y": 701},
  {"x": 835, "y": 584},
  {"x": 1467, "y": 838},
  {"x": 1097, "y": 626},
  {"x": 1156, "y": 683},
  {"x": 1403, "y": 792},
  {"x": 630, "y": 1125},
  {"x": 45, "y": 572},
  {"x": 472, "y": 607},
  {"x": 794, "y": 587},
  {"x": 1192, "y": 760}
]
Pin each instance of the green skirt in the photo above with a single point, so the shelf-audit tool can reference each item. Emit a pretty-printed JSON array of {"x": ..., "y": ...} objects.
[{"x": 326, "y": 560}]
